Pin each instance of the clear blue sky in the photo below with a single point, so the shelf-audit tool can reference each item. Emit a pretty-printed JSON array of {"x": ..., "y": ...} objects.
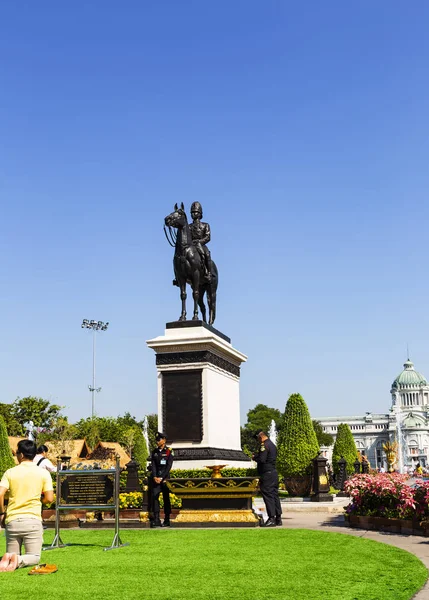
[{"x": 304, "y": 132}]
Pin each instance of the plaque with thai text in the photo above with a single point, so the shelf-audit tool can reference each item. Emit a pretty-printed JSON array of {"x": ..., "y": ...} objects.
[
  {"x": 87, "y": 489},
  {"x": 183, "y": 405}
]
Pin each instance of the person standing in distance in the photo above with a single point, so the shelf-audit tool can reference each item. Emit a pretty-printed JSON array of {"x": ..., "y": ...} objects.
[
  {"x": 23, "y": 518},
  {"x": 41, "y": 459},
  {"x": 265, "y": 460},
  {"x": 162, "y": 461}
]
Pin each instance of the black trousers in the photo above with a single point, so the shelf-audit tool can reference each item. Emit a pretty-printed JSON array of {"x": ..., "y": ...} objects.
[
  {"x": 156, "y": 490},
  {"x": 269, "y": 486}
]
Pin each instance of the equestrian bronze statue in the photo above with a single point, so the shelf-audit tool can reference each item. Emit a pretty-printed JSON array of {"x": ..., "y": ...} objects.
[{"x": 192, "y": 260}]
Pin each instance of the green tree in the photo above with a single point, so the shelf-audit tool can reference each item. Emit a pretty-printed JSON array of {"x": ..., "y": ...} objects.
[
  {"x": 94, "y": 429},
  {"x": 40, "y": 411},
  {"x": 125, "y": 430},
  {"x": 324, "y": 439},
  {"x": 13, "y": 426},
  {"x": 259, "y": 417},
  {"x": 129, "y": 421},
  {"x": 6, "y": 456},
  {"x": 297, "y": 444},
  {"x": 152, "y": 421},
  {"x": 344, "y": 446},
  {"x": 59, "y": 437}
]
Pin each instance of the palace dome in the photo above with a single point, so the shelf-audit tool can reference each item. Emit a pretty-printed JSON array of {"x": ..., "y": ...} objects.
[{"x": 409, "y": 378}]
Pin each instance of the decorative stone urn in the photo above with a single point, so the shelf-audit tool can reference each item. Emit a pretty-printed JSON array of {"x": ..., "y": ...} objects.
[{"x": 298, "y": 485}]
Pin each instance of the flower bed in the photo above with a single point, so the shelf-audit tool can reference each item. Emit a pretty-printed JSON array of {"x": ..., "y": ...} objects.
[
  {"x": 135, "y": 500},
  {"x": 387, "y": 495}
]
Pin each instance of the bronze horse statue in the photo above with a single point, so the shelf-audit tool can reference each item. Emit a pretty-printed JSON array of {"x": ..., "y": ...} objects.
[{"x": 189, "y": 268}]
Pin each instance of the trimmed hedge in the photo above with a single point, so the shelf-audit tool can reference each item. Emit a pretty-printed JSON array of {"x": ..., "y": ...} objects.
[
  {"x": 6, "y": 456},
  {"x": 344, "y": 446},
  {"x": 227, "y": 472},
  {"x": 297, "y": 444}
]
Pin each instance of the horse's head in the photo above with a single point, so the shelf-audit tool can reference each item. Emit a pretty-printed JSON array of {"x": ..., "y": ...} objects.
[{"x": 177, "y": 218}]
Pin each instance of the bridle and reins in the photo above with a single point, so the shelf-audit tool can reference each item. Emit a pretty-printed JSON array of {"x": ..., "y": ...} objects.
[{"x": 171, "y": 236}]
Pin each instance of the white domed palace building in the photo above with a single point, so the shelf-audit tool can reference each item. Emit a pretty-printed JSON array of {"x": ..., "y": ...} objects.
[{"x": 407, "y": 422}]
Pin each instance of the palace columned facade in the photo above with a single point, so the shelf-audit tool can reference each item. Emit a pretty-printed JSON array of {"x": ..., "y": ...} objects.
[{"x": 407, "y": 422}]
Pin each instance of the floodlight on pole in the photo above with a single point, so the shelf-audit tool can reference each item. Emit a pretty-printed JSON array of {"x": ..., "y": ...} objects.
[{"x": 95, "y": 326}]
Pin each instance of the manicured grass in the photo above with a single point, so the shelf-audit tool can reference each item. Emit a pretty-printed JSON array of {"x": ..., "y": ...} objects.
[{"x": 221, "y": 564}]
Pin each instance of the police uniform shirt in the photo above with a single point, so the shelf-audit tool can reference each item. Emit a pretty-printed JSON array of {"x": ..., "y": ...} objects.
[
  {"x": 266, "y": 457},
  {"x": 162, "y": 461}
]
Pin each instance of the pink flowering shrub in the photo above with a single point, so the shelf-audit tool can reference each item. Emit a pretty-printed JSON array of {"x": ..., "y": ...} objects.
[{"x": 387, "y": 495}]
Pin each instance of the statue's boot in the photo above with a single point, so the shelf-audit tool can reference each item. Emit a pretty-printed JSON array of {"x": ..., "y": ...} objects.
[{"x": 208, "y": 269}]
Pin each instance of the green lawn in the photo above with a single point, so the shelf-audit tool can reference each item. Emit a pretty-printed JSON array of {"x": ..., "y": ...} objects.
[{"x": 218, "y": 564}]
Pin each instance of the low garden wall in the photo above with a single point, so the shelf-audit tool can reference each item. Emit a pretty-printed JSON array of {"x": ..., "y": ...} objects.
[{"x": 388, "y": 502}]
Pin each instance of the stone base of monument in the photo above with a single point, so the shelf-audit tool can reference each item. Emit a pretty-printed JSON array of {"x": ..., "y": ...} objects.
[
  {"x": 216, "y": 518},
  {"x": 211, "y": 502},
  {"x": 322, "y": 497},
  {"x": 199, "y": 395}
]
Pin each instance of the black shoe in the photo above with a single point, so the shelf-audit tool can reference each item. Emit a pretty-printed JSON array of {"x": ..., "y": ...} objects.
[
  {"x": 270, "y": 523},
  {"x": 166, "y": 522},
  {"x": 155, "y": 523},
  {"x": 279, "y": 520}
]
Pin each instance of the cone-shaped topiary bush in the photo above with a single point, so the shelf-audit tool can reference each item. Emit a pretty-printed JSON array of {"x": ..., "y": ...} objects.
[
  {"x": 344, "y": 446},
  {"x": 6, "y": 456},
  {"x": 297, "y": 444}
]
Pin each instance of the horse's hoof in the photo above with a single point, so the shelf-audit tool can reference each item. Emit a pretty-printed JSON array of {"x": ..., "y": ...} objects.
[
  {"x": 195, "y": 318},
  {"x": 182, "y": 318}
]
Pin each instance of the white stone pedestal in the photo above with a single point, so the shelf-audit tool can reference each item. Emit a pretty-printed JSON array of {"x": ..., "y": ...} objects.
[{"x": 199, "y": 395}]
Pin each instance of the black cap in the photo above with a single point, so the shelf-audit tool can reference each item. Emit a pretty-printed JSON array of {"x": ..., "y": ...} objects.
[
  {"x": 257, "y": 432},
  {"x": 160, "y": 436}
]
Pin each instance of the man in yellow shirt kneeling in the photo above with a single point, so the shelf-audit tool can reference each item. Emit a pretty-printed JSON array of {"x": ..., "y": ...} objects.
[{"x": 23, "y": 517}]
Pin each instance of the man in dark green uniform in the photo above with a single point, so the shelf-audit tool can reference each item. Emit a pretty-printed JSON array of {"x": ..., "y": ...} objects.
[{"x": 265, "y": 460}]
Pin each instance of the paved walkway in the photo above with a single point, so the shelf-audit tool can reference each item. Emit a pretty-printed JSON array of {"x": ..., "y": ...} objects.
[{"x": 334, "y": 522}]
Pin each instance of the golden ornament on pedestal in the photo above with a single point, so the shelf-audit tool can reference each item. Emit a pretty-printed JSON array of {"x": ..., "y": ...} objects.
[{"x": 216, "y": 470}]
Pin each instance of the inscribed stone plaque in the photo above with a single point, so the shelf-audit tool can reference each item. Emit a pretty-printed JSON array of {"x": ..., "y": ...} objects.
[
  {"x": 183, "y": 406},
  {"x": 87, "y": 489}
]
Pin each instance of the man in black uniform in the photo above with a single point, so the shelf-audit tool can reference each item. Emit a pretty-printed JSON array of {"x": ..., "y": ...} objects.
[
  {"x": 162, "y": 460},
  {"x": 265, "y": 459}
]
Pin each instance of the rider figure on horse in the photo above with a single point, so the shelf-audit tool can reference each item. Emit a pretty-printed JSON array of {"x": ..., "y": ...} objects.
[{"x": 200, "y": 237}]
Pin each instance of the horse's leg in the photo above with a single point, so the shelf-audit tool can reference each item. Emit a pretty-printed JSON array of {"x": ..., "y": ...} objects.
[
  {"x": 196, "y": 293},
  {"x": 202, "y": 305},
  {"x": 209, "y": 303},
  {"x": 211, "y": 300},
  {"x": 183, "y": 298}
]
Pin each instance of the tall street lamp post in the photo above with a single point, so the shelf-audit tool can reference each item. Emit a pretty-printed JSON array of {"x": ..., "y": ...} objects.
[{"x": 95, "y": 326}]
